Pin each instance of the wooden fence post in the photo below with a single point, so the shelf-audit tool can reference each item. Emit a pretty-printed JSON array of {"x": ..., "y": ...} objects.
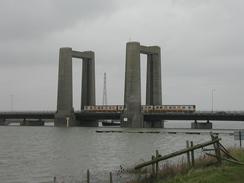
[
  {"x": 88, "y": 176},
  {"x": 218, "y": 152},
  {"x": 240, "y": 138},
  {"x": 188, "y": 154},
  {"x": 157, "y": 168},
  {"x": 216, "y": 148},
  {"x": 54, "y": 180},
  {"x": 153, "y": 166},
  {"x": 110, "y": 177},
  {"x": 192, "y": 156},
  {"x": 177, "y": 153}
]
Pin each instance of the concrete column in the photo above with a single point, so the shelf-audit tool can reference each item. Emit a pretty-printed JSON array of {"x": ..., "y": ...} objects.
[
  {"x": 88, "y": 96},
  {"x": 149, "y": 82},
  {"x": 84, "y": 83},
  {"x": 157, "y": 86},
  {"x": 132, "y": 94},
  {"x": 156, "y": 77},
  {"x": 65, "y": 92},
  {"x": 154, "y": 88},
  {"x": 91, "y": 71}
]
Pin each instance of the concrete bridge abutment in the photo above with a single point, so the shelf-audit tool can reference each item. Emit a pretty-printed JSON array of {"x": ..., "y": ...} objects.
[
  {"x": 133, "y": 116},
  {"x": 3, "y": 122},
  {"x": 201, "y": 125},
  {"x": 65, "y": 115}
]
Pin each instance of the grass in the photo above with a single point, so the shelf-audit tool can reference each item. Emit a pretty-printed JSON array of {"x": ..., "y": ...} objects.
[
  {"x": 202, "y": 173},
  {"x": 224, "y": 174}
]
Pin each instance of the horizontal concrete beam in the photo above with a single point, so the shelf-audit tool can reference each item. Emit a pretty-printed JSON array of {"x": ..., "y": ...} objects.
[
  {"x": 27, "y": 115},
  {"x": 195, "y": 116},
  {"x": 82, "y": 55},
  {"x": 149, "y": 49},
  {"x": 32, "y": 123}
]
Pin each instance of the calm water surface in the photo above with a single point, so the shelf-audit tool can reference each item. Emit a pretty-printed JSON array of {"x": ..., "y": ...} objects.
[{"x": 37, "y": 154}]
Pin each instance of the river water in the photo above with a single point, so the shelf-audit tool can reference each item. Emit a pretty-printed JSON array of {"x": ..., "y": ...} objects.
[{"x": 37, "y": 154}]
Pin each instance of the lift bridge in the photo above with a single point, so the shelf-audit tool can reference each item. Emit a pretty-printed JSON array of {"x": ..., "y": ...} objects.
[{"x": 133, "y": 116}]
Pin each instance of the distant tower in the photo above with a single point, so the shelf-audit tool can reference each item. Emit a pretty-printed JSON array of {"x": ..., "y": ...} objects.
[{"x": 105, "y": 100}]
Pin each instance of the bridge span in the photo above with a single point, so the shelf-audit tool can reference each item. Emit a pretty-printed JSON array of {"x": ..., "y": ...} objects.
[
  {"x": 200, "y": 115},
  {"x": 133, "y": 116},
  {"x": 130, "y": 114},
  {"x": 33, "y": 118}
]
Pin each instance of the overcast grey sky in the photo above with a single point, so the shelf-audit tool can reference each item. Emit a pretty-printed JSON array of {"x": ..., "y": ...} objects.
[{"x": 202, "y": 46}]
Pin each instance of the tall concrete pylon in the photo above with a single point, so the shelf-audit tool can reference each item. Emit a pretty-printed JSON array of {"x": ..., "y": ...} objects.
[
  {"x": 88, "y": 81},
  {"x": 132, "y": 93},
  {"x": 154, "y": 83},
  {"x": 65, "y": 111},
  {"x": 133, "y": 116}
]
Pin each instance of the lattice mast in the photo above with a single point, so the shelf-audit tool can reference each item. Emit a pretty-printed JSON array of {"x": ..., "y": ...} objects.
[{"x": 105, "y": 100}]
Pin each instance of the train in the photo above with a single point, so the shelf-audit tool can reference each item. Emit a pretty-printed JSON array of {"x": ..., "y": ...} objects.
[{"x": 144, "y": 108}]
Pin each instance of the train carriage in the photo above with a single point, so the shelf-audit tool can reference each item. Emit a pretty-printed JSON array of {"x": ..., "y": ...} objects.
[
  {"x": 169, "y": 108},
  {"x": 147, "y": 108},
  {"x": 120, "y": 108},
  {"x": 89, "y": 108},
  {"x": 144, "y": 108},
  {"x": 106, "y": 108}
]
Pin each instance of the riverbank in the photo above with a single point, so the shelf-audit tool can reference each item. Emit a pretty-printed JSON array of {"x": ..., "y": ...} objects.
[{"x": 204, "y": 172}]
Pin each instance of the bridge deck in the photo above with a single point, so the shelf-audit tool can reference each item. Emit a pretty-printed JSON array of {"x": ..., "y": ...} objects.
[
  {"x": 213, "y": 116},
  {"x": 81, "y": 115}
]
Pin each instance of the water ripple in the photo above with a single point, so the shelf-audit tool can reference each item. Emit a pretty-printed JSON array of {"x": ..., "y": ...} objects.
[{"x": 37, "y": 154}]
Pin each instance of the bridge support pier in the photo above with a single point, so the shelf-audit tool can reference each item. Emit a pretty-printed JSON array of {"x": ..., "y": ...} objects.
[
  {"x": 3, "y": 122},
  {"x": 201, "y": 125},
  {"x": 88, "y": 88},
  {"x": 65, "y": 115},
  {"x": 132, "y": 94},
  {"x": 132, "y": 98},
  {"x": 154, "y": 88},
  {"x": 65, "y": 93}
]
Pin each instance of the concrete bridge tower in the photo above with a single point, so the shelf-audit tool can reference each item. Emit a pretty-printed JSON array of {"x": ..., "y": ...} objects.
[
  {"x": 133, "y": 116},
  {"x": 65, "y": 111}
]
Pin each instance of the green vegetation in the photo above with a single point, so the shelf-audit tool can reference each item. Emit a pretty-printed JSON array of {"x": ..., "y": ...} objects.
[
  {"x": 226, "y": 173},
  {"x": 205, "y": 171}
]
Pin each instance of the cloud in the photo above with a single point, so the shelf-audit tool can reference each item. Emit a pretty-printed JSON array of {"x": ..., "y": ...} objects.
[
  {"x": 202, "y": 45},
  {"x": 30, "y": 19}
]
